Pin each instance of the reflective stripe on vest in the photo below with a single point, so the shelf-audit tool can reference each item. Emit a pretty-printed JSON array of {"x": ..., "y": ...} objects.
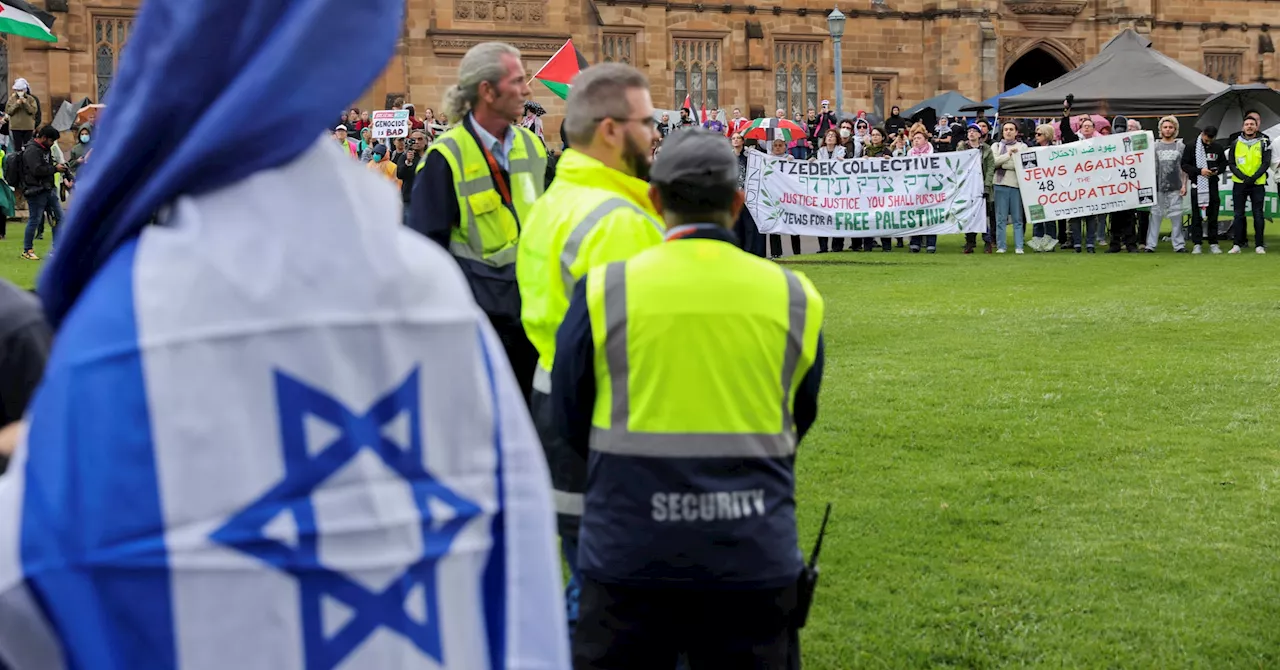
[
  {"x": 619, "y": 439},
  {"x": 568, "y": 503},
  {"x": 521, "y": 172},
  {"x": 1248, "y": 158},
  {"x": 573, "y": 245}
]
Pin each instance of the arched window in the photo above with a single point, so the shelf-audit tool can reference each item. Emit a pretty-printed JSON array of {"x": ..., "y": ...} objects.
[
  {"x": 110, "y": 33},
  {"x": 702, "y": 58},
  {"x": 4, "y": 62},
  {"x": 800, "y": 59}
]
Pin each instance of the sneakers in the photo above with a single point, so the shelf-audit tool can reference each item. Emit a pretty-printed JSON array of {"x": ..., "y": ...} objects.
[
  {"x": 1195, "y": 251},
  {"x": 1182, "y": 250},
  {"x": 931, "y": 250},
  {"x": 1235, "y": 249},
  {"x": 1017, "y": 251},
  {"x": 30, "y": 255},
  {"x": 999, "y": 251},
  {"x": 1261, "y": 250},
  {"x": 1213, "y": 249}
]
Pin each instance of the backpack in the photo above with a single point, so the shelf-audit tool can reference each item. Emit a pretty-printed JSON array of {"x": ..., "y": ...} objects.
[{"x": 13, "y": 170}]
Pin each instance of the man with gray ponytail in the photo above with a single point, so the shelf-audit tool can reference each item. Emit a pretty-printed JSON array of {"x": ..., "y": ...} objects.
[{"x": 477, "y": 184}]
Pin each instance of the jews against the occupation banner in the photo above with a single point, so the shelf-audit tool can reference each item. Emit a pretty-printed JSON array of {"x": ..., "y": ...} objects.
[
  {"x": 934, "y": 194},
  {"x": 1104, "y": 174}
]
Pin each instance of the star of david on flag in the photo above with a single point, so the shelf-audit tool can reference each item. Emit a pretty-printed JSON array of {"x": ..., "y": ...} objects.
[{"x": 357, "y": 520}]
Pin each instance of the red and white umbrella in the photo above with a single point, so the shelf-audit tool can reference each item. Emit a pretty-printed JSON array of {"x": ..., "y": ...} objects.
[{"x": 773, "y": 128}]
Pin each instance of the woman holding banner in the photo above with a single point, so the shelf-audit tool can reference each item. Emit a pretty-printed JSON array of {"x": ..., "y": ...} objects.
[
  {"x": 778, "y": 149},
  {"x": 749, "y": 235},
  {"x": 920, "y": 147}
]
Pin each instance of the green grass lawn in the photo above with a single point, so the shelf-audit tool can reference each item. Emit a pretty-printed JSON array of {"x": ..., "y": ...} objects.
[
  {"x": 14, "y": 268},
  {"x": 1052, "y": 461},
  {"x": 1044, "y": 460}
]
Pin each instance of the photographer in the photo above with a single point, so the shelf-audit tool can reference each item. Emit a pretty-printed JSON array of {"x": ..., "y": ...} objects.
[
  {"x": 24, "y": 113},
  {"x": 38, "y": 169},
  {"x": 407, "y": 166}
]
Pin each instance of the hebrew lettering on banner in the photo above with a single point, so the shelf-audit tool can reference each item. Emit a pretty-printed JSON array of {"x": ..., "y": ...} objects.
[
  {"x": 1104, "y": 174},
  {"x": 936, "y": 194}
]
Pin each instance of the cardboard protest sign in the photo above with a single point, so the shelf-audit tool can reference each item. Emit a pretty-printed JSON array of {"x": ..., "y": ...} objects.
[{"x": 390, "y": 123}]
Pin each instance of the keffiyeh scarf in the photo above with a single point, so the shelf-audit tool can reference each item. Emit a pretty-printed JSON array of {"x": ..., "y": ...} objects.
[{"x": 1202, "y": 182}]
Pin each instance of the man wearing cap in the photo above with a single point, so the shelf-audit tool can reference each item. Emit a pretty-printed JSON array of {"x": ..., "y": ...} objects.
[
  {"x": 689, "y": 400},
  {"x": 476, "y": 185},
  {"x": 349, "y": 146},
  {"x": 826, "y": 121},
  {"x": 597, "y": 211}
]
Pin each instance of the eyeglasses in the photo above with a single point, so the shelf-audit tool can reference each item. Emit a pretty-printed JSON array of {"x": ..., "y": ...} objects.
[{"x": 647, "y": 121}]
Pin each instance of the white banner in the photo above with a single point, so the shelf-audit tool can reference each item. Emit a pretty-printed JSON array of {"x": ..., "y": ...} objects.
[
  {"x": 1096, "y": 176},
  {"x": 935, "y": 194},
  {"x": 390, "y": 123}
]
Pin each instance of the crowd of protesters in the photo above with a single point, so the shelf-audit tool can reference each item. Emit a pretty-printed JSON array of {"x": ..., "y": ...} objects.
[{"x": 1184, "y": 170}]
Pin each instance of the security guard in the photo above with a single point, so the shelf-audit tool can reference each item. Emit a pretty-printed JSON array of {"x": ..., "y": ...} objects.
[
  {"x": 1249, "y": 157},
  {"x": 688, "y": 375},
  {"x": 478, "y": 183},
  {"x": 597, "y": 211}
]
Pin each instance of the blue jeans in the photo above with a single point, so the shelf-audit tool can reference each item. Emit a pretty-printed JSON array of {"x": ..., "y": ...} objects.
[
  {"x": 38, "y": 203},
  {"x": 1092, "y": 224},
  {"x": 1008, "y": 206}
]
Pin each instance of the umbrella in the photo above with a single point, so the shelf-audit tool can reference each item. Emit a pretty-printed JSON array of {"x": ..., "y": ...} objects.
[
  {"x": 1226, "y": 110},
  {"x": 89, "y": 114},
  {"x": 773, "y": 129},
  {"x": 926, "y": 116},
  {"x": 65, "y": 117}
]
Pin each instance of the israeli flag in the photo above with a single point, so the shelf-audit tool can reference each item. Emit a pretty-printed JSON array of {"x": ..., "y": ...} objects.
[{"x": 277, "y": 433}]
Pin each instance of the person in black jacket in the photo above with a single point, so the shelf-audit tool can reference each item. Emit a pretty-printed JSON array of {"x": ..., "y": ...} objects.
[
  {"x": 1202, "y": 163},
  {"x": 25, "y": 339},
  {"x": 407, "y": 167},
  {"x": 38, "y": 169}
]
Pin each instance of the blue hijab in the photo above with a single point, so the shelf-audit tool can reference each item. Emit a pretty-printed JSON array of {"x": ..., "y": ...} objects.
[{"x": 193, "y": 73}]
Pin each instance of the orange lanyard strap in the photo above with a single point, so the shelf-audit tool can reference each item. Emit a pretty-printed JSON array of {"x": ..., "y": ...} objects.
[{"x": 498, "y": 179}]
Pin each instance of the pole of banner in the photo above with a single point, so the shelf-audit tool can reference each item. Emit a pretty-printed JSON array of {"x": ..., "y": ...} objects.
[{"x": 835, "y": 24}]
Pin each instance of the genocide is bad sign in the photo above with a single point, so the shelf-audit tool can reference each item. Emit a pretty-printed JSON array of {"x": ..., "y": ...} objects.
[
  {"x": 933, "y": 194},
  {"x": 1095, "y": 176},
  {"x": 390, "y": 123}
]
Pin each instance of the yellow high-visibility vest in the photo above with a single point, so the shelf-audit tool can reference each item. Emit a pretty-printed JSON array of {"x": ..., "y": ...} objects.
[
  {"x": 488, "y": 232},
  {"x": 592, "y": 215},
  {"x": 683, "y": 326}
]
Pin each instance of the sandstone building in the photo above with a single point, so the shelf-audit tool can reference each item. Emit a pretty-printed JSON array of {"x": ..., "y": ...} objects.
[
  {"x": 733, "y": 53},
  {"x": 764, "y": 56}
]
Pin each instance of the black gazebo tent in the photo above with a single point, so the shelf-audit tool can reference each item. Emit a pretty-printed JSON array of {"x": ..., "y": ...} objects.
[{"x": 1127, "y": 77}]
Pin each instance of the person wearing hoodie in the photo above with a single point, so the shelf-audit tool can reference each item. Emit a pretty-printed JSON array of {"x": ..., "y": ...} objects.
[
  {"x": 895, "y": 124},
  {"x": 1008, "y": 197},
  {"x": 975, "y": 141},
  {"x": 1171, "y": 185},
  {"x": 81, "y": 150},
  {"x": 1202, "y": 164},
  {"x": 1249, "y": 157}
]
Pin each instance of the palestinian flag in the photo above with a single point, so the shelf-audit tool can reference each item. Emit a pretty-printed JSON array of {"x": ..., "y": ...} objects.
[
  {"x": 559, "y": 71},
  {"x": 20, "y": 18}
]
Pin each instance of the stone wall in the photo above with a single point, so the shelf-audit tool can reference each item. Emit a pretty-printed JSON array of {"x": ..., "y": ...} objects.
[{"x": 908, "y": 50}]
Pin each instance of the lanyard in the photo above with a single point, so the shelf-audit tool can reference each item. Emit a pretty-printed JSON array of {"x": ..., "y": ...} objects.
[{"x": 497, "y": 175}]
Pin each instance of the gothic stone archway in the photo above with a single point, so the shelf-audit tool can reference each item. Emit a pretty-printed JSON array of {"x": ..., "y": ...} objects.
[{"x": 1034, "y": 61}]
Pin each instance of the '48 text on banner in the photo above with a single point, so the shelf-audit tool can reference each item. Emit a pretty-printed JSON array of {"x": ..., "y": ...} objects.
[
  {"x": 935, "y": 194},
  {"x": 1095, "y": 176}
]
